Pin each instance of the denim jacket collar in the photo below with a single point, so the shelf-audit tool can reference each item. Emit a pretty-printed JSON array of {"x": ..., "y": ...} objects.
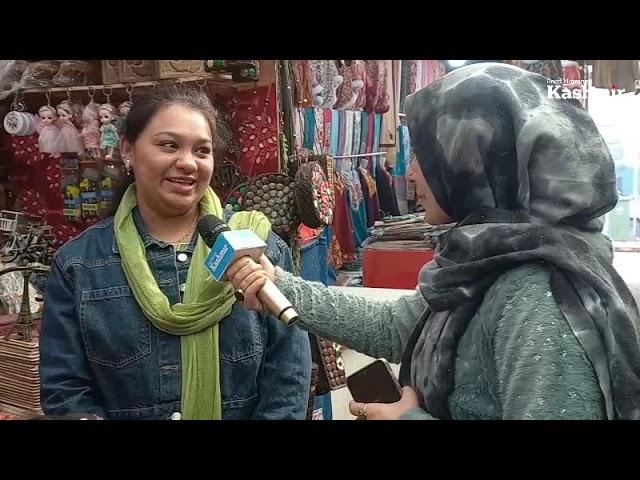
[{"x": 147, "y": 239}]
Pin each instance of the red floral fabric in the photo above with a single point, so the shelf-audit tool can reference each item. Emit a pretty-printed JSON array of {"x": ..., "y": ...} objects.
[
  {"x": 36, "y": 181},
  {"x": 254, "y": 115}
]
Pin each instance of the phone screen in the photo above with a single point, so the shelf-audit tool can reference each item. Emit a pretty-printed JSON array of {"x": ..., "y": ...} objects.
[{"x": 375, "y": 383}]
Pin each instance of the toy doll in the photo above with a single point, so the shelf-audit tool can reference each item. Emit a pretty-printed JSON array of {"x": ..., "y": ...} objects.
[
  {"x": 48, "y": 130},
  {"x": 69, "y": 139},
  {"x": 109, "y": 138},
  {"x": 123, "y": 110},
  {"x": 91, "y": 129}
]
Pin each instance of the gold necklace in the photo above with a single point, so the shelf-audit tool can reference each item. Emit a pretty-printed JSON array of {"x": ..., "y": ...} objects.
[{"x": 187, "y": 233}]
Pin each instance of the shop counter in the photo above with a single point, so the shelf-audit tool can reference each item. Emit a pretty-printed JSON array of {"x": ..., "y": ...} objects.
[{"x": 393, "y": 264}]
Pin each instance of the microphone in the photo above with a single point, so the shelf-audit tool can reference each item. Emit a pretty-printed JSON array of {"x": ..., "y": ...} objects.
[{"x": 229, "y": 245}]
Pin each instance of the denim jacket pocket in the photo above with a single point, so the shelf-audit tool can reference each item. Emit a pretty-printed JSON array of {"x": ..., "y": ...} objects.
[
  {"x": 241, "y": 355},
  {"x": 115, "y": 331}
]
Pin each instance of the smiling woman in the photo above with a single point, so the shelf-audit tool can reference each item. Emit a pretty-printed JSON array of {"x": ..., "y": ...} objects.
[
  {"x": 134, "y": 326},
  {"x": 172, "y": 161},
  {"x": 169, "y": 152}
]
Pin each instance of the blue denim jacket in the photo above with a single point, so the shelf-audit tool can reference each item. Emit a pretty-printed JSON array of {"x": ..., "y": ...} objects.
[{"x": 99, "y": 354}]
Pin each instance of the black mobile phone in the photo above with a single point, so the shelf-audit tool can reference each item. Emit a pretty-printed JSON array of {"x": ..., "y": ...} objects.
[{"x": 374, "y": 383}]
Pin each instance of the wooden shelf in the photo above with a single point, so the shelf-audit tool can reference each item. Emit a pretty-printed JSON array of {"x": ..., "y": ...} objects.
[{"x": 215, "y": 82}]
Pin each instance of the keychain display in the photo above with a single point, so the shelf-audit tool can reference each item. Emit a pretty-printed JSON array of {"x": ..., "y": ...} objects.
[
  {"x": 69, "y": 139},
  {"x": 90, "y": 203},
  {"x": 109, "y": 138},
  {"x": 91, "y": 129},
  {"x": 17, "y": 121},
  {"x": 111, "y": 175},
  {"x": 72, "y": 202},
  {"x": 49, "y": 131},
  {"x": 75, "y": 108},
  {"x": 123, "y": 110}
]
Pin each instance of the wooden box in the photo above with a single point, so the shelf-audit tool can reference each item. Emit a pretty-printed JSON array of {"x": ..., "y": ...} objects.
[
  {"x": 110, "y": 71},
  {"x": 128, "y": 71},
  {"x": 180, "y": 68}
]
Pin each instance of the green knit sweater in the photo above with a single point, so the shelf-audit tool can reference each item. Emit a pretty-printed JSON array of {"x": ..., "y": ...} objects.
[{"x": 518, "y": 358}]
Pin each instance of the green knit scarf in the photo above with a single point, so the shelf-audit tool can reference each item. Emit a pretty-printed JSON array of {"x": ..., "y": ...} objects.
[{"x": 206, "y": 302}]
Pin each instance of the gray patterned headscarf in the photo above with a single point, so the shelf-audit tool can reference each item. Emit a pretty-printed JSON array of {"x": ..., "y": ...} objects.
[{"x": 527, "y": 178}]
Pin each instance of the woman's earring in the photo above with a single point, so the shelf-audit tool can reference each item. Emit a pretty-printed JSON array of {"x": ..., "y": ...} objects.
[{"x": 127, "y": 165}]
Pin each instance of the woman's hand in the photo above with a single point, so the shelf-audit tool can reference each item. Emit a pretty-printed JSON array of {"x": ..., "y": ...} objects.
[
  {"x": 385, "y": 411},
  {"x": 249, "y": 277}
]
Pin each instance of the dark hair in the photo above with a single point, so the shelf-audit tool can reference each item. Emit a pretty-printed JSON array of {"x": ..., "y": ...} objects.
[{"x": 145, "y": 107}]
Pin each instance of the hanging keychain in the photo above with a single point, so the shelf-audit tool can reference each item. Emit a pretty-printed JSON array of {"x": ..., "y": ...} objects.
[
  {"x": 89, "y": 192},
  {"x": 49, "y": 131},
  {"x": 109, "y": 138},
  {"x": 72, "y": 202},
  {"x": 111, "y": 175},
  {"x": 201, "y": 82},
  {"x": 91, "y": 127},
  {"x": 123, "y": 109},
  {"x": 69, "y": 142},
  {"x": 18, "y": 121}
]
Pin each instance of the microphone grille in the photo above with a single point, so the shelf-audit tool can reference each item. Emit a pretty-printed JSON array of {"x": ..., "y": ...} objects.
[{"x": 209, "y": 227}]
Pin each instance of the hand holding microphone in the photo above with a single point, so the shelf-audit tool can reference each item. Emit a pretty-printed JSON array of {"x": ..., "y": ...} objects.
[
  {"x": 233, "y": 255},
  {"x": 249, "y": 277}
]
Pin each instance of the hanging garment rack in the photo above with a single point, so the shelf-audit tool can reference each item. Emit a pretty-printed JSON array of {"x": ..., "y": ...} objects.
[{"x": 360, "y": 155}]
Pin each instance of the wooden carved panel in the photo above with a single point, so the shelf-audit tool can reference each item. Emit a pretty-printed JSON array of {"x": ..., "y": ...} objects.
[
  {"x": 127, "y": 71},
  {"x": 137, "y": 71},
  {"x": 180, "y": 68},
  {"x": 110, "y": 71}
]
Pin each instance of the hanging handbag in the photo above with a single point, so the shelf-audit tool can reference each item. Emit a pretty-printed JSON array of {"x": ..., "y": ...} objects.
[
  {"x": 273, "y": 195},
  {"x": 331, "y": 372},
  {"x": 314, "y": 193}
]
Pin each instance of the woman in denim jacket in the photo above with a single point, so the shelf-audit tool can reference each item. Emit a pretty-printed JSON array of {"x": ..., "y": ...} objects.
[{"x": 134, "y": 327}]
